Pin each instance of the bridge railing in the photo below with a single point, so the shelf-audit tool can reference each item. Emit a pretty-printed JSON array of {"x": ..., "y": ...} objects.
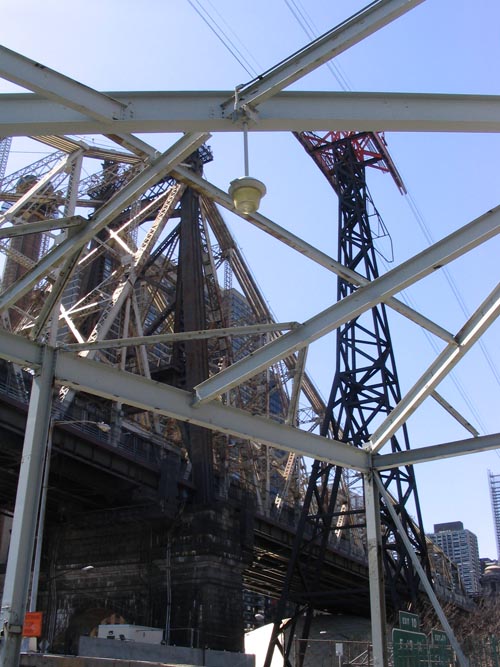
[{"x": 16, "y": 384}]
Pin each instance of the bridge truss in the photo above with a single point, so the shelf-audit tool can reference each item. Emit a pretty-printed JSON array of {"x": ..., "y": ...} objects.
[{"x": 106, "y": 264}]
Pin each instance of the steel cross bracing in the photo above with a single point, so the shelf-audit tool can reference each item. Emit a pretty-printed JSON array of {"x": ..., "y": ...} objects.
[
  {"x": 365, "y": 387},
  {"x": 113, "y": 271},
  {"x": 60, "y": 295},
  {"x": 366, "y": 384}
]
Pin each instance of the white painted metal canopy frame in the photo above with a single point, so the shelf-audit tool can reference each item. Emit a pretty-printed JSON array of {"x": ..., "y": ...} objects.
[{"x": 59, "y": 105}]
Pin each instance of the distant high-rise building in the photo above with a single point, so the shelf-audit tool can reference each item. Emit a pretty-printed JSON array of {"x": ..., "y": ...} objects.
[
  {"x": 495, "y": 506},
  {"x": 460, "y": 545}
]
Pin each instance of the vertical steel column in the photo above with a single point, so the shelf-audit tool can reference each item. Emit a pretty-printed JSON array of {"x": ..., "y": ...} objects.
[
  {"x": 192, "y": 355},
  {"x": 376, "y": 571},
  {"x": 17, "y": 576},
  {"x": 37, "y": 558},
  {"x": 421, "y": 573}
]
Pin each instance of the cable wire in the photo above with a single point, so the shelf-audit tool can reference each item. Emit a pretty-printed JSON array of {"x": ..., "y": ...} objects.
[
  {"x": 305, "y": 21},
  {"x": 222, "y": 37},
  {"x": 238, "y": 40},
  {"x": 307, "y": 24},
  {"x": 427, "y": 233}
]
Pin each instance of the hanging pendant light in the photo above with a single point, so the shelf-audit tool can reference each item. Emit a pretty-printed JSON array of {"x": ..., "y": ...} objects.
[{"x": 246, "y": 192}]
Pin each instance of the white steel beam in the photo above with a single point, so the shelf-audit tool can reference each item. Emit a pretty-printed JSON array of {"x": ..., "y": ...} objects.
[
  {"x": 63, "y": 90},
  {"x": 19, "y": 350},
  {"x": 66, "y": 316},
  {"x": 102, "y": 380},
  {"x": 483, "y": 443},
  {"x": 116, "y": 385},
  {"x": 421, "y": 573},
  {"x": 376, "y": 571},
  {"x": 454, "y": 413},
  {"x": 297, "y": 377},
  {"x": 23, "y": 114},
  {"x": 57, "y": 87},
  {"x": 250, "y": 330},
  {"x": 321, "y": 50},
  {"x": 43, "y": 226},
  {"x": 17, "y": 575},
  {"x": 414, "y": 269},
  {"x": 72, "y": 245},
  {"x": 444, "y": 363},
  {"x": 291, "y": 240}
]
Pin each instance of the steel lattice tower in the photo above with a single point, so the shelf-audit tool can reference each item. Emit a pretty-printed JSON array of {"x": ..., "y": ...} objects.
[
  {"x": 366, "y": 384},
  {"x": 365, "y": 389}
]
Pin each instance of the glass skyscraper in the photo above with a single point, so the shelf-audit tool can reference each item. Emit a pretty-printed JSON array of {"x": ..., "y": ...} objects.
[{"x": 495, "y": 506}]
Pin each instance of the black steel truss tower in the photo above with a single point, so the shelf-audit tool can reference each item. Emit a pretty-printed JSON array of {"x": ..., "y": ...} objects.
[{"x": 365, "y": 389}]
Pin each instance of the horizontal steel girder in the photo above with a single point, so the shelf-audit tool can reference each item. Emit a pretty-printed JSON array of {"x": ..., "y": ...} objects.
[
  {"x": 110, "y": 383},
  {"x": 100, "y": 380},
  {"x": 57, "y": 87},
  {"x": 445, "y": 450},
  {"x": 63, "y": 90},
  {"x": 31, "y": 114},
  {"x": 48, "y": 225}
]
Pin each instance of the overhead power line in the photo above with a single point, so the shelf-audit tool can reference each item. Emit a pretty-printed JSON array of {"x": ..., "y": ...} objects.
[
  {"x": 304, "y": 19},
  {"x": 453, "y": 286},
  {"x": 222, "y": 36},
  {"x": 307, "y": 24}
]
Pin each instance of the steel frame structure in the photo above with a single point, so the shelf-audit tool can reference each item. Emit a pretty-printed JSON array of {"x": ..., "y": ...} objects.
[
  {"x": 65, "y": 102},
  {"x": 366, "y": 383},
  {"x": 365, "y": 386}
]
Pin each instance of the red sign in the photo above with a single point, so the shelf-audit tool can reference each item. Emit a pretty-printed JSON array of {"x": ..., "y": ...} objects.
[{"x": 33, "y": 624}]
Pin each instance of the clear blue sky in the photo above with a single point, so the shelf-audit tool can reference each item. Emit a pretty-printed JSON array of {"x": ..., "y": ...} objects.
[{"x": 441, "y": 46}]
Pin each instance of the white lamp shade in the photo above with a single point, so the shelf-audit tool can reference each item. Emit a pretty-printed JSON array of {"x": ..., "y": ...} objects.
[{"x": 246, "y": 193}]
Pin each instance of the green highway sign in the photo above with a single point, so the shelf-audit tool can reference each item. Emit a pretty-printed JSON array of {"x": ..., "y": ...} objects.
[
  {"x": 409, "y": 621},
  {"x": 405, "y": 637},
  {"x": 439, "y": 638},
  {"x": 440, "y": 651},
  {"x": 409, "y": 648}
]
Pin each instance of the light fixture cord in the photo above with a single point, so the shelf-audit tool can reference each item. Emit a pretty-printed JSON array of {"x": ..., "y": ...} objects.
[{"x": 245, "y": 146}]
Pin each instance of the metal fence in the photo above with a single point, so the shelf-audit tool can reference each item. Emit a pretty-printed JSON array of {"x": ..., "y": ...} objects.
[
  {"x": 340, "y": 653},
  {"x": 17, "y": 385},
  {"x": 484, "y": 653}
]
